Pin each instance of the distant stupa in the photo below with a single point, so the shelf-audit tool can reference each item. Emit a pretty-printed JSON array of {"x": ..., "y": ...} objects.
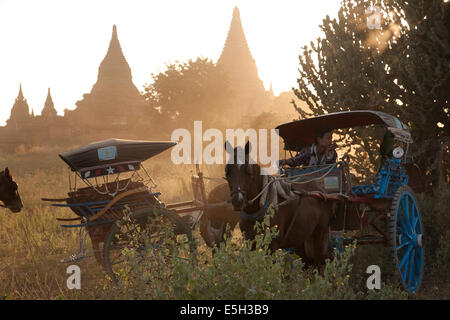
[
  {"x": 20, "y": 112},
  {"x": 49, "y": 111},
  {"x": 114, "y": 100},
  {"x": 237, "y": 61}
]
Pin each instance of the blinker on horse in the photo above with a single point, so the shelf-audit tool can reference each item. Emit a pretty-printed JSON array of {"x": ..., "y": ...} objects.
[
  {"x": 9, "y": 193},
  {"x": 303, "y": 221}
]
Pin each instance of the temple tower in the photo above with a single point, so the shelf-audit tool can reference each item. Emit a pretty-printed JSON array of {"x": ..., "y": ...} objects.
[
  {"x": 20, "y": 112},
  {"x": 49, "y": 111},
  {"x": 114, "y": 101},
  {"x": 237, "y": 61}
]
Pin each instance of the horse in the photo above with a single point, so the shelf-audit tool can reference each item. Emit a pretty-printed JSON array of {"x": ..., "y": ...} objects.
[
  {"x": 303, "y": 221},
  {"x": 215, "y": 219},
  {"x": 9, "y": 193}
]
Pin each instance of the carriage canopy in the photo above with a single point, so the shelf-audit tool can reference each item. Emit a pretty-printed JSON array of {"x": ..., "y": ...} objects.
[
  {"x": 113, "y": 155},
  {"x": 300, "y": 133}
]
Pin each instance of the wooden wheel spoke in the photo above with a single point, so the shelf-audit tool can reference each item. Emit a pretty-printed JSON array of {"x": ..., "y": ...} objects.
[
  {"x": 406, "y": 231},
  {"x": 114, "y": 262},
  {"x": 416, "y": 220},
  {"x": 418, "y": 260},
  {"x": 402, "y": 224},
  {"x": 406, "y": 256},
  {"x": 403, "y": 244},
  {"x": 121, "y": 237},
  {"x": 405, "y": 209},
  {"x": 411, "y": 267}
]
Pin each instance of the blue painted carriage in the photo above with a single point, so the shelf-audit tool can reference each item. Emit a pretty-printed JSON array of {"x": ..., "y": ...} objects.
[
  {"x": 115, "y": 182},
  {"x": 362, "y": 209}
]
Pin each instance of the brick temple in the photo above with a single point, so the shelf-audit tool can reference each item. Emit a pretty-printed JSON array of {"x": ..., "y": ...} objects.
[{"x": 114, "y": 105}]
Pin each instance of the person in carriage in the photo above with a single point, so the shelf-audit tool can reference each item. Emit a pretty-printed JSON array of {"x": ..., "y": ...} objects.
[{"x": 321, "y": 152}]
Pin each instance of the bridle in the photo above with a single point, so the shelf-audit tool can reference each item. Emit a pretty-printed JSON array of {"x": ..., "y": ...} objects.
[
  {"x": 245, "y": 215},
  {"x": 241, "y": 192}
]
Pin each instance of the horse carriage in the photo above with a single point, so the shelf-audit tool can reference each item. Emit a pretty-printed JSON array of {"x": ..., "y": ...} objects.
[
  {"x": 116, "y": 182},
  {"x": 390, "y": 199}
]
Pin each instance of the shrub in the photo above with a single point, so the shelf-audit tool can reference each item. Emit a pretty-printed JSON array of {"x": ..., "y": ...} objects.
[
  {"x": 436, "y": 223},
  {"x": 238, "y": 269}
]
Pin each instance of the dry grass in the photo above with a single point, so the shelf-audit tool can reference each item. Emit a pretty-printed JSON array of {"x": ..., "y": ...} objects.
[{"x": 32, "y": 242}]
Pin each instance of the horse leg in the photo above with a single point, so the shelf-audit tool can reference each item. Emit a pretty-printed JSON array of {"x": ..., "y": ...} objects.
[
  {"x": 317, "y": 245},
  {"x": 301, "y": 252}
]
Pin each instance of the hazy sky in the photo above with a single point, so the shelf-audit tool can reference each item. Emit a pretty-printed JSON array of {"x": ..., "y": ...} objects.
[{"x": 60, "y": 44}]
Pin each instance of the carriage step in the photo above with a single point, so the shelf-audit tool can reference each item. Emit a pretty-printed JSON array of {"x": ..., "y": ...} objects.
[
  {"x": 366, "y": 239},
  {"x": 74, "y": 258}
]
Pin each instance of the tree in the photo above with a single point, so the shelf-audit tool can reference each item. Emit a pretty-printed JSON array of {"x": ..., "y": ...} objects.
[
  {"x": 402, "y": 69},
  {"x": 188, "y": 91},
  {"x": 422, "y": 68}
]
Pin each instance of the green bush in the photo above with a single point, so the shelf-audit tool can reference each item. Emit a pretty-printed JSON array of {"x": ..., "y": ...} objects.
[
  {"x": 436, "y": 222},
  {"x": 238, "y": 269}
]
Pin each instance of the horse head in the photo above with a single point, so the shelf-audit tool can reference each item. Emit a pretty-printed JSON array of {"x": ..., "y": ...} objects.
[
  {"x": 243, "y": 176},
  {"x": 9, "y": 192}
]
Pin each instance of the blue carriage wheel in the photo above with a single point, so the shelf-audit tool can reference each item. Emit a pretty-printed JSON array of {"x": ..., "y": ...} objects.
[{"x": 406, "y": 237}]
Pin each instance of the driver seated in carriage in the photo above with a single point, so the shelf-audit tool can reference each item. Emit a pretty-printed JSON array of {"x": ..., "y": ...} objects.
[{"x": 320, "y": 153}]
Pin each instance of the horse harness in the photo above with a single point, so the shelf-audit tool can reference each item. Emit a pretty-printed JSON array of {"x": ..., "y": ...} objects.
[{"x": 263, "y": 209}]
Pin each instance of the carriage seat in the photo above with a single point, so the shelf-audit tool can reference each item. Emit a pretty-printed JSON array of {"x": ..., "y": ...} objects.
[
  {"x": 330, "y": 181},
  {"x": 390, "y": 176},
  {"x": 370, "y": 188}
]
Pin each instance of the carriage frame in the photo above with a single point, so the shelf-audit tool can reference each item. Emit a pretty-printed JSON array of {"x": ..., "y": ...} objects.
[
  {"x": 390, "y": 199},
  {"x": 107, "y": 202}
]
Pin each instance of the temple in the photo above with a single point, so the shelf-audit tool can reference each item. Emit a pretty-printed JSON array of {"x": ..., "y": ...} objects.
[
  {"x": 23, "y": 128},
  {"x": 237, "y": 61},
  {"x": 115, "y": 108},
  {"x": 114, "y": 101},
  {"x": 49, "y": 111},
  {"x": 20, "y": 112}
]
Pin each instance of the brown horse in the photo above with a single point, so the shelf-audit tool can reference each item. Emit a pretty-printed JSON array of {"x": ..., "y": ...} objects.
[
  {"x": 9, "y": 193},
  {"x": 215, "y": 219},
  {"x": 303, "y": 222}
]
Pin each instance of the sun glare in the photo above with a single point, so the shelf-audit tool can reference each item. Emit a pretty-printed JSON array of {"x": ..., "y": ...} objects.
[{"x": 60, "y": 44}]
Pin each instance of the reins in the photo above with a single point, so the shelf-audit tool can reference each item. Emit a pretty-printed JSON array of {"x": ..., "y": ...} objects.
[{"x": 287, "y": 179}]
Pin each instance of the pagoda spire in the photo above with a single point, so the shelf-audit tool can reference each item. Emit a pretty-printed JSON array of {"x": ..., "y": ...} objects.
[
  {"x": 49, "y": 110},
  {"x": 20, "y": 95},
  {"x": 236, "y": 43},
  {"x": 20, "y": 112},
  {"x": 114, "y": 99},
  {"x": 114, "y": 68},
  {"x": 238, "y": 63}
]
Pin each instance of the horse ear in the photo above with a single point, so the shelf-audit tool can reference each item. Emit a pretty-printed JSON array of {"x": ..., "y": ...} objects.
[
  {"x": 7, "y": 173},
  {"x": 248, "y": 147},
  {"x": 228, "y": 147}
]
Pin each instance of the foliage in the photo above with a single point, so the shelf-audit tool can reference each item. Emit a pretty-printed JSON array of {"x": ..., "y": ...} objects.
[
  {"x": 436, "y": 223},
  {"x": 33, "y": 243},
  {"x": 244, "y": 269},
  {"x": 402, "y": 69},
  {"x": 188, "y": 91}
]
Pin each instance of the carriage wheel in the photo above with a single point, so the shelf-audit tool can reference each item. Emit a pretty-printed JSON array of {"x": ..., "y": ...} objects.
[
  {"x": 406, "y": 238},
  {"x": 121, "y": 237}
]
